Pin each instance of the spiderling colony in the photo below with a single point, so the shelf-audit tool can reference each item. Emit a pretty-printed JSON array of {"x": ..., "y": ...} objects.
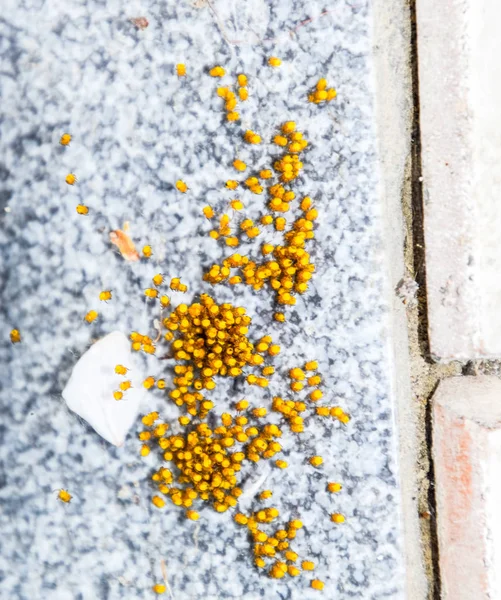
[{"x": 207, "y": 340}]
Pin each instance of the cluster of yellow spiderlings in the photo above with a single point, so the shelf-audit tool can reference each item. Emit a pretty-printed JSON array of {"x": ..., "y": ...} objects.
[
  {"x": 289, "y": 165},
  {"x": 71, "y": 178},
  {"x": 217, "y": 71},
  {"x": 194, "y": 401},
  {"x": 154, "y": 293},
  {"x": 299, "y": 379},
  {"x": 207, "y": 460},
  {"x": 124, "y": 385},
  {"x": 288, "y": 268},
  {"x": 243, "y": 92},
  {"x": 336, "y": 412},
  {"x": 251, "y": 137},
  {"x": 229, "y": 96},
  {"x": 230, "y": 99},
  {"x": 276, "y": 546},
  {"x": 177, "y": 286},
  {"x": 287, "y": 273},
  {"x": 322, "y": 93},
  {"x": 92, "y": 315},
  {"x": 209, "y": 340},
  {"x": 298, "y": 376},
  {"x": 142, "y": 342},
  {"x": 291, "y": 410},
  {"x": 213, "y": 339}
]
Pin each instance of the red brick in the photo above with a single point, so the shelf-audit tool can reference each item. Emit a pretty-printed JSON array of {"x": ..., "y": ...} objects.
[{"x": 467, "y": 459}]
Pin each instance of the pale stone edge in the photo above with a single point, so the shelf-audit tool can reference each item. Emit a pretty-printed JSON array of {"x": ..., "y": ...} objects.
[
  {"x": 454, "y": 306},
  {"x": 392, "y": 72}
]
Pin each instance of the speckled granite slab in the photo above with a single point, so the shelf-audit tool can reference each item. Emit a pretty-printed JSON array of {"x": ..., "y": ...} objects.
[{"x": 84, "y": 68}]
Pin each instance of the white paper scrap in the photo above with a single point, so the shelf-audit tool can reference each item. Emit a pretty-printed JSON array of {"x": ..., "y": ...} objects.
[{"x": 89, "y": 391}]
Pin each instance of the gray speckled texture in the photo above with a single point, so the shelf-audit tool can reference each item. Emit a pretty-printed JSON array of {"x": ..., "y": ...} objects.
[{"x": 83, "y": 67}]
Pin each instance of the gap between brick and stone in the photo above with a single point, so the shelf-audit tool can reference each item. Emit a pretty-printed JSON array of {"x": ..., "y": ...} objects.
[{"x": 424, "y": 373}]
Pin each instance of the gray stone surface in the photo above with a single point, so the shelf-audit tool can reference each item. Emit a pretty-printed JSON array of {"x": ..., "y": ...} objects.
[{"x": 136, "y": 129}]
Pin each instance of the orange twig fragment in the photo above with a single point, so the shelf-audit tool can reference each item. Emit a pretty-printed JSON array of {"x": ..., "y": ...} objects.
[{"x": 124, "y": 243}]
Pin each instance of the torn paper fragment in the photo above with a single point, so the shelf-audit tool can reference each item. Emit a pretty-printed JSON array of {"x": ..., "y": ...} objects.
[{"x": 89, "y": 391}]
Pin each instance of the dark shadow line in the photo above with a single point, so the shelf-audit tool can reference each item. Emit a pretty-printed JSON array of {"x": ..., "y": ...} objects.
[{"x": 419, "y": 263}]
